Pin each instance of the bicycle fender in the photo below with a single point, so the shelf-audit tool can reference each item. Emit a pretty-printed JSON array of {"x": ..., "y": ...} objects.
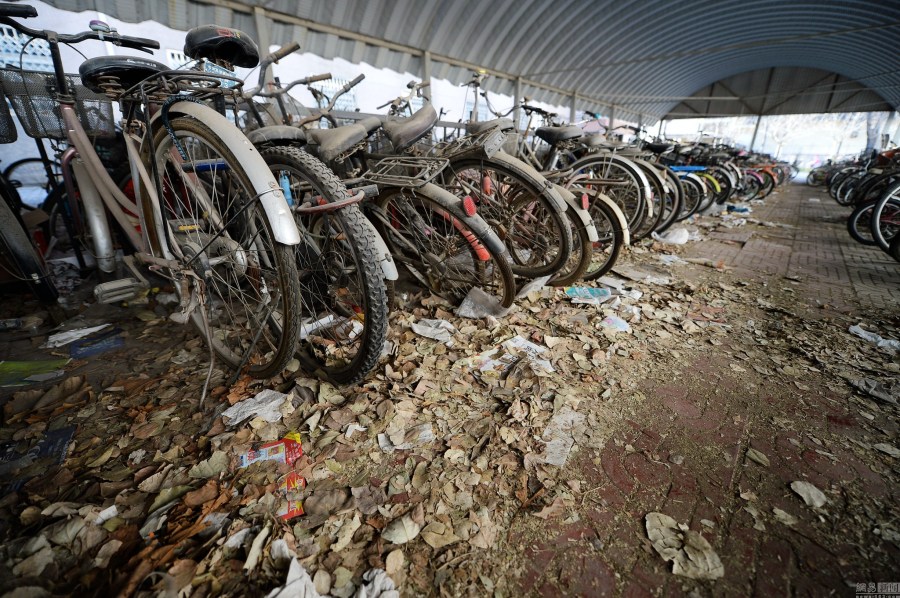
[
  {"x": 583, "y": 215},
  {"x": 712, "y": 181},
  {"x": 453, "y": 205},
  {"x": 526, "y": 170},
  {"x": 620, "y": 216},
  {"x": 699, "y": 181},
  {"x": 284, "y": 229},
  {"x": 385, "y": 260},
  {"x": 277, "y": 134}
]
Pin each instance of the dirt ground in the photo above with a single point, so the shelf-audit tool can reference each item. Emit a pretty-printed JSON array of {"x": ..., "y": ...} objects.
[{"x": 737, "y": 439}]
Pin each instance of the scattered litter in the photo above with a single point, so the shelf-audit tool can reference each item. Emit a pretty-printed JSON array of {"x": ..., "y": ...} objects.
[
  {"x": 439, "y": 330},
  {"x": 670, "y": 260},
  {"x": 266, "y": 405},
  {"x": 615, "y": 324},
  {"x": 513, "y": 350},
  {"x": 641, "y": 276},
  {"x": 814, "y": 200},
  {"x": 690, "y": 553},
  {"x": 737, "y": 209},
  {"x": 287, "y": 450},
  {"x": 590, "y": 295},
  {"x": 96, "y": 344},
  {"x": 565, "y": 426},
  {"x": 812, "y": 496},
  {"x": 478, "y": 304},
  {"x": 673, "y": 236},
  {"x": 535, "y": 285},
  {"x": 64, "y": 338},
  {"x": 889, "y": 393},
  {"x": 890, "y": 345},
  {"x": 20, "y": 373}
]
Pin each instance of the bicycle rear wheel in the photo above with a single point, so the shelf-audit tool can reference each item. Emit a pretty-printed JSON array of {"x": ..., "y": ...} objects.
[
  {"x": 884, "y": 220},
  {"x": 858, "y": 224},
  {"x": 606, "y": 250},
  {"x": 620, "y": 180},
  {"x": 23, "y": 262},
  {"x": 213, "y": 223},
  {"x": 343, "y": 303},
  {"x": 580, "y": 259},
  {"x": 519, "y": 210},
  {"x": 438, "y": 249}
]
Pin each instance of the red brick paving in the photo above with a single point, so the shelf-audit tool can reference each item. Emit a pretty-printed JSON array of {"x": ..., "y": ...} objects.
[{"x": 710, "y": 418}]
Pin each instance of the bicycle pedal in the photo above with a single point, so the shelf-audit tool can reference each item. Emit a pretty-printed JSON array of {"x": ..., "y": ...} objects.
[{"x": 118, "y": 290}]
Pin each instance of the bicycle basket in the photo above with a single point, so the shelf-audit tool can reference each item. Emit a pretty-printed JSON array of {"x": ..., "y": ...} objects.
[
  {"x": 8, "y": 132},
  {"x": 33, "y": 97}
]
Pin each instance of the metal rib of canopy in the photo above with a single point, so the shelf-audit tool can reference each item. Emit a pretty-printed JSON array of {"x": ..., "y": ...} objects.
[{"x": 645, "y": 57}]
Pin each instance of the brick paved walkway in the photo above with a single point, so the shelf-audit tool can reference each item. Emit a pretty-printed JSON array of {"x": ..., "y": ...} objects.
[
  {"x": 682, "y": 451},
  {"x": 814, "y": 247}
]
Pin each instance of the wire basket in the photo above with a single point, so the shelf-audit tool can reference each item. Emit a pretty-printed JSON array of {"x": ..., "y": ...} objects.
[
  {"x": 405, "y": 171},
  {"x": 8, "y": 132},
  {"x": 33, "y": 97}
]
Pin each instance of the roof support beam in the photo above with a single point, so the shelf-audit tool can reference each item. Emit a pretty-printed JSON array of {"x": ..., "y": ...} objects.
[
  {"x": 794, "y": 95},
  {"x": 380, "y": 43}
]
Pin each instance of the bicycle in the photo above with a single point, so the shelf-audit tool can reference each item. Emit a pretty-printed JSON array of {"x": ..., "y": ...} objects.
[{"x": 215, "y": 224}]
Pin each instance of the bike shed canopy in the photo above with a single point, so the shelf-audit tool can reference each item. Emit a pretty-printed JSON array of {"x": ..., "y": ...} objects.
[{"x": 642, "y": 60}]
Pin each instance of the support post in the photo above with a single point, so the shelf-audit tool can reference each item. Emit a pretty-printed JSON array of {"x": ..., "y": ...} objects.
[
  {"x": 755, "y": 131},
  {"x": 426, "y": 74},
  {"x": 517, "y": 113},
  {"x": 572, "y": 107},
  {"x": 262, "y": 36},
  {"x": 612, "y": 117}
]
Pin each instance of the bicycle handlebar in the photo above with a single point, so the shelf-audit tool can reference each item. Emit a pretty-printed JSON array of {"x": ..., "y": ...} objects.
[
  {"x": 18, "y": 11},
  {"x": 286, "y": 88},
  {"x": 136, "y": 43},
  {"x": 282, "y": 52}
]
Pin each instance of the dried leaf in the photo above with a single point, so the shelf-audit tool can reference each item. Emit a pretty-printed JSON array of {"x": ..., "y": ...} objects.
[{"x": 401, "y": 530}]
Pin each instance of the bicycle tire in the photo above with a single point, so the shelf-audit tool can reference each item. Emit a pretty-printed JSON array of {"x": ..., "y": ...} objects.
[
  {"x": 726, "y": 185},
  {"x": 223, "y": 240},
  {"x": 858, "y": 224},
  {"x": 674, "y": 201},
  {"x": 884, "y": 220},
  {"x": 894, "y": 249},
  {"x": 580, "y": 259},
  {"x": 656, "y": 203},
  {"x": 693, "y": 197},
  {"x": 438, "y": 249},
  {"x": 519, "y": 208},
  {"x": 620, "y": 179},
  {"x": 24, "y": 260},
  {"x": 31, "y": 174},
  {"x": 341, "y": 283},
  {"x": 606, "y": 250}
]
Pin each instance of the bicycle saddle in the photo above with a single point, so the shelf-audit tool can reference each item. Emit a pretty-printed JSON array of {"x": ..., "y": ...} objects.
[
  {"x": 221, "y": 43},
  {"x": 370, "y": 123},
  {"x": 505, "y": 124},
  {"x": 129, "y": 70},
  {"x": 554, "y": 135},
  {"x": 403, "y": 132},
  {"x": 328, "y": 144},
  {"x": 659, "y": 148}
]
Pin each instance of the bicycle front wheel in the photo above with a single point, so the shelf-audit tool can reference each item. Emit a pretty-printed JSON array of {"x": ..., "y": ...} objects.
[
  {"x": 439, "y": 250},
  {"x": 885, "y": 217},
  {"x": 343, "y": 302},
  {"x": 212, "y": 222}
]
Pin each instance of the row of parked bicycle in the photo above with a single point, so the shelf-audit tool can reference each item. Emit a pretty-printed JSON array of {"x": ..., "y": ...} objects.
[
  {"x": 283, "y": 238},
  {"x": 871, "y": 185}
]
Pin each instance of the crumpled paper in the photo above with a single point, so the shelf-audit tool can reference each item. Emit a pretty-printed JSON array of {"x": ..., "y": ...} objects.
[
  {"x": 265, "y": 405},
  {"x": 690, "y": 553}
]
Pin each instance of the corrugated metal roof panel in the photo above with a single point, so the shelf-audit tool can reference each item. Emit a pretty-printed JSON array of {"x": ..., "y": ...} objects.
[{"x": 640, "y": 56}]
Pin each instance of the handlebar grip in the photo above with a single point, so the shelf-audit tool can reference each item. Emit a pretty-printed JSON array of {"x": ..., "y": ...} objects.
[
  {"x": 18, "y": 11},
  {"x": 424, "y": 85},
  {"x": 283, "y": 51},
  {"x": 138, "y": 43},
  {"x": 316, "y": 78},
  {"x": 355, "y": 82}
]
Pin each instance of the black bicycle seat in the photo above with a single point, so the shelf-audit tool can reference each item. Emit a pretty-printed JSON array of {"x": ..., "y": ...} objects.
[
  {"x": 554, "y": 135},
  {"x": 129, "y": 70},
  {"x": 406, "y": 131},
  {"x": 331, "y": 143},
  {"x": 505, "y": 124},
  {"x": 660, "y": 148},
  {"x": 215, "y": 43}
]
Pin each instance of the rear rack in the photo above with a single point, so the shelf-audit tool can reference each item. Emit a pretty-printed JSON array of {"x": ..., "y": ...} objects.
[{"x": 405, "y": 171}]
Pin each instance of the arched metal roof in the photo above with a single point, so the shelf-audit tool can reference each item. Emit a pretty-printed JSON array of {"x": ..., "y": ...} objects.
[{"x": 642, "y": 56}]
